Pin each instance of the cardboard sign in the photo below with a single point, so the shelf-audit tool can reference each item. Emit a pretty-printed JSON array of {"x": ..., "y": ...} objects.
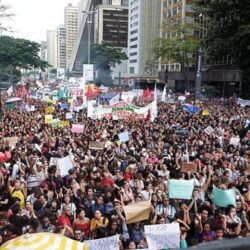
[
  {"x": 189, "y": 167},
  {"x": 137, "y": 211},
  {"x": 97, "y": 145},
  {"x": 48, "y": 119}
]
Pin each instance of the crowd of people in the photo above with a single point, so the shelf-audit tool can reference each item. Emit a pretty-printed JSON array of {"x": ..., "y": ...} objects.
[{"x": 88, "y": 202}]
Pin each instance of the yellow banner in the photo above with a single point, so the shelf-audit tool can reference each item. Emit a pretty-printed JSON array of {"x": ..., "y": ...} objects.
[
  {"x": 48, "y": 118},
  {"x": 49, "y": 110}
]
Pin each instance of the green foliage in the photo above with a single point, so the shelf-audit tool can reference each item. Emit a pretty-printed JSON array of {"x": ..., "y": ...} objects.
[
  {"x": 228, "y": 32},
  {"x": 21, "y": 53},
  {"x": 104, "y": 57},
  {"x": 180, "y": 43}
]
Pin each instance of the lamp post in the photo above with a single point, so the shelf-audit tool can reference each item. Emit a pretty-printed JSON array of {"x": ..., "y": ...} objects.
[
  {"x": 89, "y": 22},
  {"x": 198, "y": 78}
]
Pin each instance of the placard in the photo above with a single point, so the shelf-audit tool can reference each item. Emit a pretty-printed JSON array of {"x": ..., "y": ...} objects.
[
  {"x": 163, "y": 236},
  {"x": 223, "y": 198},
  {"x": 189, "y": 167},
  {"x": 123, "y": 137},
  {"x": 48, "y": 119},
  {"x": 97, "y": 145},
  {"x": 65, "y": 164},
  {"x": 108, "y": 243},
  {"x": 69, "y": 116},
  {"x": 77, "y": 128},
  {"x": 137, "y": 211},
  {"x": 180, "y": 189},
  {"x": 209, "y": 130}
]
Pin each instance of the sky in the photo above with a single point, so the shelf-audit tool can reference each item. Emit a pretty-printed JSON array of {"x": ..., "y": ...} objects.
[{"x": 34, "y": 17}]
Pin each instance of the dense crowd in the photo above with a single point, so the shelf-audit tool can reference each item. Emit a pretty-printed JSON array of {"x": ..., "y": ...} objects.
[{"x": 88, "y": 202}]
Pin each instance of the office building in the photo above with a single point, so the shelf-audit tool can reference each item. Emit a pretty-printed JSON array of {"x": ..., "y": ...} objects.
[
  {"x": 61, "y": 46},
  {"x": 144, "y": 28},
  {"x": 71, "y": 29},
  {"x": 52, "y": 48},
  {"x": 43, "y": 51}
]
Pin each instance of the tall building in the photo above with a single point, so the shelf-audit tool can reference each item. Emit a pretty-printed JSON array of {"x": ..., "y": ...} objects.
[
  {"x": 43, "y": 51},
  {"x": 79, "y": 54},
  {"x": 178, "y": 9},
  {"x": 111, "y": 23},
  {"x": 51, "y": 48},
  {"x": 71, "y": 28},
  {"x": 144, "y": 28},
  {"x": 61, "y": 46}
]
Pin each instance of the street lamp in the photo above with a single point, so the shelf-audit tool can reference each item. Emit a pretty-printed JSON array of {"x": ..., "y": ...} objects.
[
  {"x": 89, "y": 22},
  {"x": 198, "y": 78}
]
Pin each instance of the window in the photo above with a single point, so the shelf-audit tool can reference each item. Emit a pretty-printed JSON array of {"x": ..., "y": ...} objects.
[
  {"x": 133, "y": 39},
  {"x": 131, "y": 70},
  {"x": 133, "y": 54},
  {"x": 133, "y": 46},
  {"x": 133, "y": 61},
  {"x": 133, "y": 32}
]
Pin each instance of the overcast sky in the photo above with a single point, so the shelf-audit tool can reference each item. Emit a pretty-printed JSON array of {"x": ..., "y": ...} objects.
[{"x": 34, "y": 17}]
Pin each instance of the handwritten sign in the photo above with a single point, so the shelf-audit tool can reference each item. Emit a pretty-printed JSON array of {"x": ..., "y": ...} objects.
[
  {"x": 180, "y": 189},
  {"x": 108, "y": 243},
  {"x": 48, "y": 119},
  {"x": 137, "y": 211},
  {"x": 77, "y": 128},
  {"x": 189, "y": 167},
  {"x": 209, "y": 130},
  {"x": 223, "y": 198},
  {"x": 65, "y": 164},
  {"x": 163, "y": 236},
  {"x": 123, "y": 137},
  {"x": 97, "y": 145}
]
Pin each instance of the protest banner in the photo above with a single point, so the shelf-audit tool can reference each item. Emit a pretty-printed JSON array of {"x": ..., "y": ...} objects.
[
  {"x": 243, "y": 102},
  {"x": 12, "y": 140},
  {"x": 209, "y": 130},
  {"x": 123, "y": 137},
  {"x": 97, "y": 145},
  {"x": 137, "y": 211},
  {"x": 163, "y": 236},
  {"x": 180, "y": 189},
  {"x": 63, "y": 124},
  {"x": 108, "y": 243},
  {"x": 48, "y": 119},
  {"x": 69, "y": 116},
  {"x": 53, "y": 161},
  {"x": 65, "y": 164},
  {"x": 49, "y": 110},
  {"x": 223, "y": 198},
  {"x": 54, "y": 122},
  {"x": 77, "y": 128},
  {"x": 234, "y": 141},
  {"x": 189, "y": 167},
  {"x": 205, "y": 112}
]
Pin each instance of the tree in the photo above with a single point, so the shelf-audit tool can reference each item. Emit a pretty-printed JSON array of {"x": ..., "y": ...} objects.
[
  {"x": 21, "y": 54},
  {"x": 228, "y": 32},
  {"x": 179, "y": 44},
  {"x": 104, "y": 56}
]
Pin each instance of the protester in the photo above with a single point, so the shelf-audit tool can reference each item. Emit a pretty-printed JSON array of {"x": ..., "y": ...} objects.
[{"x": 89, "y": 200}]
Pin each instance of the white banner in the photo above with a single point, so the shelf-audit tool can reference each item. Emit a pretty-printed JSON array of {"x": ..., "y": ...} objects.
[
  {"x": 88, "y": 72},
  {"x": 65, "y": 164},
  {"x": 243, "y": 102},
  {"x": 163, "y": 236},
  {"x": 108, "y": 243}
]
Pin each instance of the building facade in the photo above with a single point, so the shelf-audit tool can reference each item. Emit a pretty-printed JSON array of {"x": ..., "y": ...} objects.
[
  {"x": 61, "y": 46},
  {"x": 52, "y": 48},
  {"x": 71, "y": 29},
  {"x": 43, "y": 51},
  {"x": 144, "y": 28}
]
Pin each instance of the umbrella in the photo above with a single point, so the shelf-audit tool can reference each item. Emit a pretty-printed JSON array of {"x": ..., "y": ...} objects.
[
  {"x": 43, "y": 241},
  {"x": 14, "y": 99}
]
